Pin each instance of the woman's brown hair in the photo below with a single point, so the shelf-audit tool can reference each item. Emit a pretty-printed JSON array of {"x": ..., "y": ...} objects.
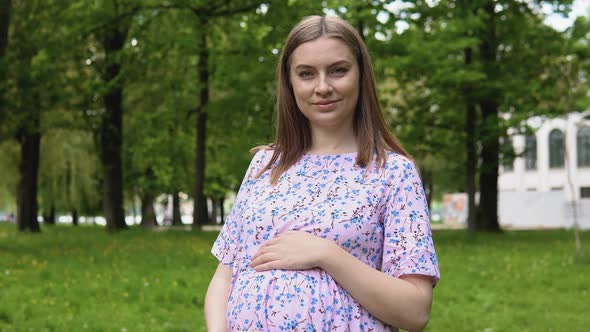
[{"x": 293, "y": 134}]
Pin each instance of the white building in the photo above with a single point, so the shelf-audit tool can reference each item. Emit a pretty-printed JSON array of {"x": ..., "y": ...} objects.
[{"x": 542, "y": 187}]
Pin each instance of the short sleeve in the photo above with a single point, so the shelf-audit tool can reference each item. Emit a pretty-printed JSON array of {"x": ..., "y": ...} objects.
[
  {"x": 225, "y": 246},
  {"x": 408, "y": 247}
]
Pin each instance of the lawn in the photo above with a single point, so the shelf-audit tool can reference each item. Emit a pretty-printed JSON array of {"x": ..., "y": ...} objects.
[{"x": 76, "y": 279}]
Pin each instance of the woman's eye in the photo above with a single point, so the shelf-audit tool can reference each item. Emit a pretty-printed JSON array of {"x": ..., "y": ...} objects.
[
  {"x": 340, "y": 71},
  {"x": 305, "y": 74}
]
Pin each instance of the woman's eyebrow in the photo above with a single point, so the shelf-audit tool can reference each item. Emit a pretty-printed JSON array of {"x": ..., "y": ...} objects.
[{"x": 337, "y": 63}]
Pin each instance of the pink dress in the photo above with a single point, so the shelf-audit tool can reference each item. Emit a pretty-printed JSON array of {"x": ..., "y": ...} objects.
[{"x": 379, "y": 215}]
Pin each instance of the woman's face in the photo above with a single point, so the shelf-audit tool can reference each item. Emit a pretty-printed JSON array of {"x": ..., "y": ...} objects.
[{"x": 325, "y": 79}]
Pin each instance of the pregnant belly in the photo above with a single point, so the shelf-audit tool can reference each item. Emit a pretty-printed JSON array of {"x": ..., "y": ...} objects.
[{"x": 303, "y": 300}]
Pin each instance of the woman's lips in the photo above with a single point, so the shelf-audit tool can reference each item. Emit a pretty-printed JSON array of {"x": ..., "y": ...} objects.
[{"x": 326, "y": 105}]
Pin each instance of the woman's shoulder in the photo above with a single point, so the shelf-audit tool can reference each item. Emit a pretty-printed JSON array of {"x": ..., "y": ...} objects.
[
  {"x": 261, "y": 155},
  {"x": 262, "y": 148},
  {"x": 262, "y": 152},
  {"x": 393, "y": 158},
  {"x": 398, "y": 165}
]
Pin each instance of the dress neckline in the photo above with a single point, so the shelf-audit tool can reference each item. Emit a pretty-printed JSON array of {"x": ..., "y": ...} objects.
[{"x": 343, "y": 154}]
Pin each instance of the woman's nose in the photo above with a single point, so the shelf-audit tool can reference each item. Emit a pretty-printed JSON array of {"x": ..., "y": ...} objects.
[{"x": 323, "y": 85}]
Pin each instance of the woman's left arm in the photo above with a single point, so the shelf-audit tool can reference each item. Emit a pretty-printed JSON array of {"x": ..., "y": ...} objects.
[{"x": 402, "y": 302}]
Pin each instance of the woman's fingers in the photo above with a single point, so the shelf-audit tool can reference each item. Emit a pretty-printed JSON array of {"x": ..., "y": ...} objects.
[
  {"x": 262, "y": 258},
  {"x": 267, "y": 246},
  {"x": 290, "y": 250},
  {"x": 271, "y": 265}
]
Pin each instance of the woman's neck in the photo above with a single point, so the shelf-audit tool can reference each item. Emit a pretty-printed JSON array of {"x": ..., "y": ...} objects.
[{"x": 328, "y": 141}]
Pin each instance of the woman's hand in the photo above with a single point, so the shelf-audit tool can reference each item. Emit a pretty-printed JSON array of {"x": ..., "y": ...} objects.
[{"x": 293, "y": 250}]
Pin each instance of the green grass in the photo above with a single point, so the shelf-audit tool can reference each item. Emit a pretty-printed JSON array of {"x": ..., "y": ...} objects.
[
  {"x": 516, "y": 281},
  {"x": 76, "y": 279}
]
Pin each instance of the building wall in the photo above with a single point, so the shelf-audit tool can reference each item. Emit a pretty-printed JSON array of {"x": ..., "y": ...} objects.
[
  {"x": 545, "y": 197},
  {"x": 544, "y": 179},
  {"x": 534, "y": 210},
  {"x": 523, "y": 210}
]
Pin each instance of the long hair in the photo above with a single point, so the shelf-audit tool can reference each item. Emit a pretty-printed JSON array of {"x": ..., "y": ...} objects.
[{"x": 293, "y": 133}]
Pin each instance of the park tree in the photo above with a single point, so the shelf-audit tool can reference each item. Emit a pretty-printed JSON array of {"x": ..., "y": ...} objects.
[
  {"x": 105, "y": 26},
  {"x": 204, "y": 14},
  {"x": 486, "y": 60},
  {"x": 39, "y": 73},
  {"x": 30, "y": 88},
  {"x": 115, "y": 19},
  {"x": 514, "y": 48},
  {"x": 160, "y": 145},
  {"x": 24, "y": 111}
]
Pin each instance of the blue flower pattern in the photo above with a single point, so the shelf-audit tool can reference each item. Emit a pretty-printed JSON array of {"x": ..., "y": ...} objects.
[{"x": 378, "y": 214}]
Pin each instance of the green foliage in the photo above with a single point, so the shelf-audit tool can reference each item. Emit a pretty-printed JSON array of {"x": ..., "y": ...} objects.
[
  {"x": 158, "y": 140},
  {"x": 69, "y": 172},
  {"x": 10, "y": 153},
  {"x": 428, "y": 83},
  {"x": 33, "y": 63},
  {"x": 55, "y": 62}
]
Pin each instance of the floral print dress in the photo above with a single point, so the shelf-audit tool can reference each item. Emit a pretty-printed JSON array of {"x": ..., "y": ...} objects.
[{"x": 378, "y": 214}]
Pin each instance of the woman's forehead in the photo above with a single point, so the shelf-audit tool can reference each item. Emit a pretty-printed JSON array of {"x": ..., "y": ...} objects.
[{"x": 322, "y": 51}]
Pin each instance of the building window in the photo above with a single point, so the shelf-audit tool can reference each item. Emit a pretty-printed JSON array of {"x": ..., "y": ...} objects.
[
  {"x": 556, "y": 149},
  {"x": 585, "y": 192},
  {"x": 530, "y": 152},
  {"x": 507, "y": 148},
  {"x": 583, "y": 144}
]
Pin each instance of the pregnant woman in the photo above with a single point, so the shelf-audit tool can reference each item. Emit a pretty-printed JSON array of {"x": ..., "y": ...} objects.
[{"x": 330, "y": 228}]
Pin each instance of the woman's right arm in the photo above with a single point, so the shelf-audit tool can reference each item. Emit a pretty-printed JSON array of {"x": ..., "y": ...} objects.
[{"x": 216, "y": 299}]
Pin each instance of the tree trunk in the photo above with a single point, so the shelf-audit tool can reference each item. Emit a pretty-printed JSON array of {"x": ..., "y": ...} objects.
[
  {"x": 75, "y": 217},
  {"x": 221, "y": 209},
  {"x": 5, "y": 9},
  {"x": 470, "y": 139},
  {"x": 135, "y": 208},
  {"x": 214, "y": 210},
  {"x": 148, "y": 216},
  {"x": 200, "y": 203},
  {"x": 49, "y": 218},
  {"x": 471, "y": 169},
  {"x": 490, "y": 147},
  {"x": 111, "y": 138},
  {"x": 488, "y": 178},
  {"x": 30, "y": 140},
  {"x": 176, "y": 217},
  {"x": 360, "y": 24},
  {"x": 427, "y": 183}
]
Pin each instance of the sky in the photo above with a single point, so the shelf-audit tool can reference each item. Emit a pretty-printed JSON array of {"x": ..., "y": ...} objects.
[{"x": 558, "y": 22}]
